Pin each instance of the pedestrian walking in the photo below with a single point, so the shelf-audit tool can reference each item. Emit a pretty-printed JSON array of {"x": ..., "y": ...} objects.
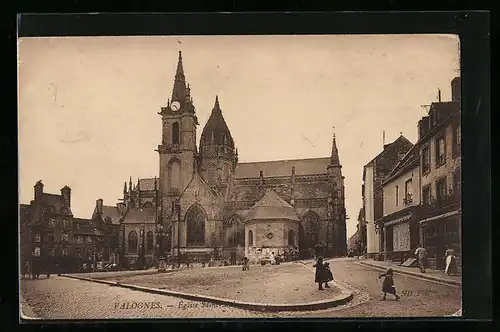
[
  {"x": 319, "y": 276},
  {"x": 451, "y": 262},
  {"x": 388, "y": 284},
  {"x": 272, "y": 258},
  {"x": 421, "y": 254},
  {"x": 328, "y": 274}
]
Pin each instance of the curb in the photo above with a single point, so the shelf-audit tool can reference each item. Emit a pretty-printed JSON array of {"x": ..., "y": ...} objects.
[
  {"x": 343, "y": 298},
  {"x": 25, "y": 311},
  {"x": 145, "y": 273},
  {"x": 419, "y": 275}
]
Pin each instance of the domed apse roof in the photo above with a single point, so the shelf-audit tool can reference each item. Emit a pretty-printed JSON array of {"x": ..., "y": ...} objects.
[
  {"x": 272, "y": 206},
  {"x": 216, "y": 126}
]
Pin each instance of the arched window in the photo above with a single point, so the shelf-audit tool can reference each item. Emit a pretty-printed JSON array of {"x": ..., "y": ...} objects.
[
  {"x": 291, "y": 237},
  {"x": 149, "y": 241},
  {"x": 250, "y": 238},
  {"x": 235, "y": 231},
  {"x": 132, "y": 242},
  {"x": 226, "y": 172},
  {"x": 195, "y": 219},
  {"x": 175, "y": 133},
  {"x": 211, "y": 173},
  {"x": 174, "y": 174}
]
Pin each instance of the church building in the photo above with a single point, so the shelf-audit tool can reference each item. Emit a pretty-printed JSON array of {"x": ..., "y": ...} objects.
[{"x": 215, "y": 206}]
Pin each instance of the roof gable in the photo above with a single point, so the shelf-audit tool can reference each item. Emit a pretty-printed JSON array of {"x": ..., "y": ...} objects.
[
  {"x": 272, "y": 199},
  {"x": 411, "y": 158},
  {"x": 272, "y": 207}
]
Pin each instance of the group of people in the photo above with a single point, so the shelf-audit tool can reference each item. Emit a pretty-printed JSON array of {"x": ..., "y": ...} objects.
[
  {"x": 323, "y": 273},
  {"x": 450, "y": 257},
  {"x": 32, "y": 270}
]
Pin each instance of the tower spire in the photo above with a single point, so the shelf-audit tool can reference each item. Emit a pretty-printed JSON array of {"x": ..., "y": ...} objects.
[
  {"x": 334, "y": 157},
  {"x": 179, "y": 90},
  {"x": 216, "y": 105}
]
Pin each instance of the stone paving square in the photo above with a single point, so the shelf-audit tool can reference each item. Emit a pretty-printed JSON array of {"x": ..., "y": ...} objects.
[{"x": 283, "y": 284}]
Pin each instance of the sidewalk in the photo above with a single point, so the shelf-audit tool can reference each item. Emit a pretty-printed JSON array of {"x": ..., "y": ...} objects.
[
  {"x": 25, "y": 310},
  {"x": 435, "y": 275}
]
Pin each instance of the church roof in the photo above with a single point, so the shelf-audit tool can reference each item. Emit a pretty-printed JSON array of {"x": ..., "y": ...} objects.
[
  {"x": 140, "y": 216},
  {"x": 272, "y": 206},
  {"x": 282, "y": 167}
]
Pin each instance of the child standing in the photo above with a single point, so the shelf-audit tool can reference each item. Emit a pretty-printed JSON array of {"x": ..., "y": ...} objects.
[
  {"x": 319, "y": 276},
  {"x": 328, "y": 274},
  {"x": 388, "y": 284},
  {"x": 245, "y": 264}
]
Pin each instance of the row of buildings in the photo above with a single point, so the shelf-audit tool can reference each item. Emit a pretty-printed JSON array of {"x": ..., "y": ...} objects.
[
  {"x": 48, "y": 230},
  {"x": 203, "y": 203},
  {"x": 411, "y": 192}
]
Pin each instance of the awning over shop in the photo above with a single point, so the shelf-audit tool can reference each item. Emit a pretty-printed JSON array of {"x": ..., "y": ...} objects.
[
  {"x": 442, "y": 216},
  {"x": 399, "y": 220}
]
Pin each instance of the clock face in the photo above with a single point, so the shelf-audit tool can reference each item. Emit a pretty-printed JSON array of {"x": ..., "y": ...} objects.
[
  {"x": 270, "y": 236},
  {"x": 175, "y": 106}
]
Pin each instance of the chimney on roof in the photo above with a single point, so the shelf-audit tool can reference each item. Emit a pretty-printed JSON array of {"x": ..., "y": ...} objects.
[
  {"x": 99, "y": 205},
  {"x": 66, "y": 193},
  {"x": 261, "y": 178},
  {"x": 423, "y": 127},
  {"x": 456, "y": 89},
  {"x": 38, "y": 190},
  {"x": 439, "y": 95}
]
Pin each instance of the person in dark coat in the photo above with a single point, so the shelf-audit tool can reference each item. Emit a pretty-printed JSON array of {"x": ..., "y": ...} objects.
[
  {"x": 388, "y": 284},
  {"x": 319, "y": 276},
  {"x": 328, "y": 274},
  {"x": 245, "y": 264}
]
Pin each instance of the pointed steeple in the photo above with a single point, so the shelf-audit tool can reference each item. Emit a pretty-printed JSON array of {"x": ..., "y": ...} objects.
[
  {"x": 179, "y": 91},
  {"x": 216, "y": 129},
  {"x": 125, "y": 188},
  {"x": 216, "y": 105},
  {"x": 130, "y": 184},
  {"x": 334, "y": 157}
]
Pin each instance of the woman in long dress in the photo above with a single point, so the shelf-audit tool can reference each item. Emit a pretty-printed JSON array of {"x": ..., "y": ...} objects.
[
  {"x": 319, "y": 276},
  {"x": 451, "y": 262}
]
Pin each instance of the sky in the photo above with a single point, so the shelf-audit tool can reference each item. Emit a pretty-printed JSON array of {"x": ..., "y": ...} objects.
[{"x": 88, "y": 105}]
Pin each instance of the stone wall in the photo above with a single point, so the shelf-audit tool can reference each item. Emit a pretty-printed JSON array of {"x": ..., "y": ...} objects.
[{"x": 262, "y": 244}]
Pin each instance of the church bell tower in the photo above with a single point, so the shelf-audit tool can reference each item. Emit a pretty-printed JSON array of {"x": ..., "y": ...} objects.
[{"x": 177, "y": 150}]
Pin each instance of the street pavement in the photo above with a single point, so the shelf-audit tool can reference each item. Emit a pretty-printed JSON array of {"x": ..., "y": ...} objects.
[{"x": 64, "y": 298}]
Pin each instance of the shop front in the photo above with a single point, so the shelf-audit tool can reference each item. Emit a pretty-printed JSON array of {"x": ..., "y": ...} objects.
[
  {"x": 441, "y": 233},
  {"x": 401, "y": 235}
]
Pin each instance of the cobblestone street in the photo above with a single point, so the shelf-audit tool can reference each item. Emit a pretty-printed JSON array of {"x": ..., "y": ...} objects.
[{"x": 64, "y": 298}]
